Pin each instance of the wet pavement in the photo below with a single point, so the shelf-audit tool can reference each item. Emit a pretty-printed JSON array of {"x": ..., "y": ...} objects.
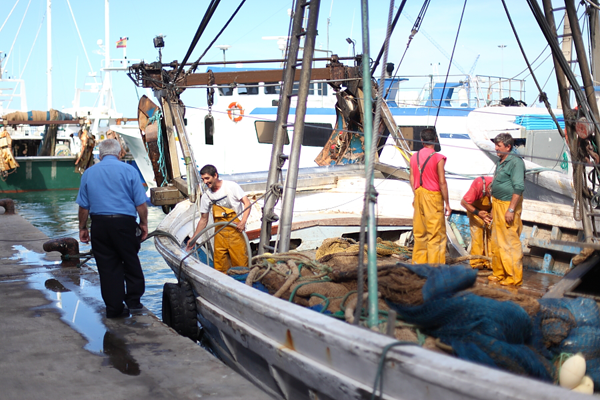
[{"x": 56, "y": 343}]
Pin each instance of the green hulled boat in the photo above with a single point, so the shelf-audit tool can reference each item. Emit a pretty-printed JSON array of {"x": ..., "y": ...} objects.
[{"x": 42, "y": 173}]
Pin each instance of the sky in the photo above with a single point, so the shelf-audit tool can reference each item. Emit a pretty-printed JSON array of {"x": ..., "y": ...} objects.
[{"x": 484, "y": 29}]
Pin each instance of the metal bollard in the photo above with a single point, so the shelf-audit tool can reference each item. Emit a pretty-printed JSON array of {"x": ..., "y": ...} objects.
[
  {"x": 67, "y": 247},
  {"x": 9, "y": 206}
]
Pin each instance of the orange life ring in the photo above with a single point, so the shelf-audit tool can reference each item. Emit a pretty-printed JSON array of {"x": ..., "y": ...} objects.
[{"x": 235, "y": 112}]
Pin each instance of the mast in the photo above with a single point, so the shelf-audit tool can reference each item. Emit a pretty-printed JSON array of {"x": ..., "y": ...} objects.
[
  {"x": 582, "y": 60},
  {"x": 368, "y": 132},
  {"x": 106, "y": 97},
  {"x": 563, "y": 71},
  {"x": 49, "y": 52},
  {"x": 594, "y": 38},
  {"x": 277, "y": 156},
  {"x": 567, "y": 49},
  {"x": 289, "y": 195}
]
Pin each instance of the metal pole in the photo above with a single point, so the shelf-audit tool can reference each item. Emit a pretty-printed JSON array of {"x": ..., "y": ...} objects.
[
  {"x": 289, "y": 195},
  {"x": 279, "y": 136},
  {"x": 594, "y": 38},
  {"x": 368, "y": 128},
  {"x": 582, "y": 59},
  {"x": 49, "y": 52}
]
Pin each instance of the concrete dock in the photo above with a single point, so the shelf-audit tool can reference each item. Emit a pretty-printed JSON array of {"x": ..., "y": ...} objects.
[{"x": 55, "y": 342}]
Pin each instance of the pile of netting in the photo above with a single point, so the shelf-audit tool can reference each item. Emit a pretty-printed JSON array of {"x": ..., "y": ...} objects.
[{"x": 438, "y": 307}]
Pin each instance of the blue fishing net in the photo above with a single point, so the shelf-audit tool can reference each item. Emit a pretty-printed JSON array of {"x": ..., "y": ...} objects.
[
  {"x": 479, "y": 329},
  {"x": 443, "y": 280}
]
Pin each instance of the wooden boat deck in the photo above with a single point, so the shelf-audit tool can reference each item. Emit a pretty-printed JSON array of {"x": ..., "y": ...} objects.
[{"x": 535, "y": 284}]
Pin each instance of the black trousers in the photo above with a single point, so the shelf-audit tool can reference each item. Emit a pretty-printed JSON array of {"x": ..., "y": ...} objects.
[{"x": 115, "y": 248}]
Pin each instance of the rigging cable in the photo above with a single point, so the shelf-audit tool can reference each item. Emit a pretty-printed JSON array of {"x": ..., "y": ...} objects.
[
  {"x": 413, "y": 32},
  {"x": 376, "y": 63},
  {"x": 542, "y": 95},
  {"x": 9, "y": 14},
  {"x": 27, "y": 60},
  {"x": 17, "y": 35},
  {"x": 449, "y": 65},
  {"x": 195, "y": 65},
  {"x": 212, "y": 7}
]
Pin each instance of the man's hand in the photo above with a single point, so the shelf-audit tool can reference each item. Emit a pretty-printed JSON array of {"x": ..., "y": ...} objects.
[
  {"x": 485, "y": 216},
  {"x": 144, "y": 228},
  {"x": 190, "y": 246},
  {"x": 509, "y": 217},
  {"x": 448, "y": 210},
  {"x": 84, "y": 235},
  {"x": 240, "y": 226}
]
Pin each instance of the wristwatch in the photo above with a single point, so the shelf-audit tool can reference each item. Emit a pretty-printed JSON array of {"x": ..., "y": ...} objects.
[{"x": 511, "y": 210}]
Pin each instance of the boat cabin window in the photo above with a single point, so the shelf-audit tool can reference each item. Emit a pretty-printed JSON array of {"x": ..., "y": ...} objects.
[
  {"x": 316, "y": 134},
  {"x": 311, "y": 89},
  {"x": 272, "y": 88},
  {"x": 252, "y": 89},
  {"x": 225, "y": 90},
  {"x": 265, "y": 131},
  {"x": 322, "y": 88}
]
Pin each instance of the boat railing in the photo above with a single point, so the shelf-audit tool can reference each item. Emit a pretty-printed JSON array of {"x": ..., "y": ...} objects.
[{"x": 462, "y": 91}]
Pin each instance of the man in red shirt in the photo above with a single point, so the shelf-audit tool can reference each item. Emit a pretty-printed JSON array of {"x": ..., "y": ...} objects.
[
  {"x": 428, "y": 182},
  {"x": 478, "y": 203}
]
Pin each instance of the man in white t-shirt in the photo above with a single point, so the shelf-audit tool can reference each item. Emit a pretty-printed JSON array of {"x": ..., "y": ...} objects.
[{"x": 227, "y": 201}]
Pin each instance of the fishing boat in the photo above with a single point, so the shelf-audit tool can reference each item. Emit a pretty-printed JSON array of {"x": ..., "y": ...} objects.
[
  {"x": 51, "y": 149},
  {"x": 292, "y": 348}
]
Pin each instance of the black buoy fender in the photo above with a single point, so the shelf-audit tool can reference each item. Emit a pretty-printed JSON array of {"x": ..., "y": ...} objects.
[{"x": 179, "y": 309}]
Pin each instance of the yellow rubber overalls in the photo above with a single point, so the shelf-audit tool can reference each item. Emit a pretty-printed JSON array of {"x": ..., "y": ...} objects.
[
  {"x": 507, "y": 253},
  {"x": 429, "y": 225},
  {"x": 481, "y": 235},
  {"x": 230, "y": 247}
]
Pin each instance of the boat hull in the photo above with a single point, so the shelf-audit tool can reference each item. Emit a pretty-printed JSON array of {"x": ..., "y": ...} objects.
[
  {"x": 296, "y": 353},
  {"x": 42, "y": 173}
]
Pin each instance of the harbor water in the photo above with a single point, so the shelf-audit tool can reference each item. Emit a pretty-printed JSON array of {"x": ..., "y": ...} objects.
[{"x": 55, "y": 214}]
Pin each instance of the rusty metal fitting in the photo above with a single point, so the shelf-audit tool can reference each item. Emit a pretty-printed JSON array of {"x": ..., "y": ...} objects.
[
  {"x": 67, "y": 247},
  {"x": 9, "y": 206}
]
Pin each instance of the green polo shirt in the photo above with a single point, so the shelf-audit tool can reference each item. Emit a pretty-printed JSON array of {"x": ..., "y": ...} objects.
[{"x": 509, "y": 178}]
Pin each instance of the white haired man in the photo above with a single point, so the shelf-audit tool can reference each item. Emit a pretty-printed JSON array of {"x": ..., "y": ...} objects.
[{"x": 112, "y": 194}]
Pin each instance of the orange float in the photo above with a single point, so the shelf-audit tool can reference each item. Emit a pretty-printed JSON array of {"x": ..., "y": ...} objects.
[{"x": 235, "y": 112}]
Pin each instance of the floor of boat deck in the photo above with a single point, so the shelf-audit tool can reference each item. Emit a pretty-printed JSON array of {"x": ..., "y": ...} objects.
[
  {"x": 535, "y": 284},
  {"x": 57, "y": 344}
]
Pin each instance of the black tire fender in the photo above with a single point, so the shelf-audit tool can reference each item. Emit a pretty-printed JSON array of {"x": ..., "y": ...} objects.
[{"x": 179, "y": 309}]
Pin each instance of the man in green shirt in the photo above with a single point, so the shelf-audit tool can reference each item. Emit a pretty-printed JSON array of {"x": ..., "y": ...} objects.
[{"x": 507, "y": 202}]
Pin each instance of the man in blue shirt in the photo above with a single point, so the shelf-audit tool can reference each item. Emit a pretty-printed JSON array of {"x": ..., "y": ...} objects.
[{"x": 112, "y": 195}]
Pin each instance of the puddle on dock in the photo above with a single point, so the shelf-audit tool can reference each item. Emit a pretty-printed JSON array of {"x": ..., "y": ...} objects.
[{"x": 74, "y": 311}]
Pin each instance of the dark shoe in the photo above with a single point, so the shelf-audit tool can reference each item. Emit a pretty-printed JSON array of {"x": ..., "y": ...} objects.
[
  {"x": 124, "y": 313},
  {"x": 137, "y": 308}
]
